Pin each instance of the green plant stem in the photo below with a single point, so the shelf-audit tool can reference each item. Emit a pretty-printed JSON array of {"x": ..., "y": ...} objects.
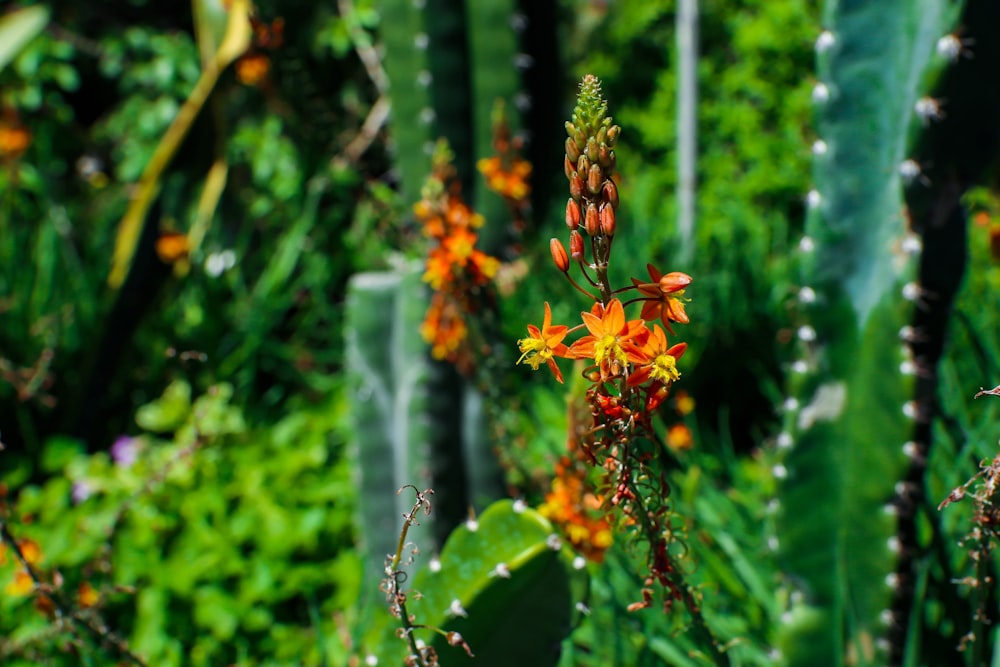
[{"x": 148, "y": 186}]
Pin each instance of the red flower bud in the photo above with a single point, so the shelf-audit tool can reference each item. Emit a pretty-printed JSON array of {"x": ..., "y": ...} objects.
[
  {"x": 606, "y": 158},
  {"x": 573, "y": 214},
  {"x": 607, "y": 219},
  {"x": 559, "y": 255},
  {"x": 568, "y": 168},
  {"x": 610, "y": 192},
  {"x": 613, "y": 133},
  {"x": 591, "y": 220},
  {"x": 576, "y": 186},
  {"x": 576, "y": 245},
  {"x": 572, "y": 150},
  {"x": 595, "y": 179},
  {"x": 674, "y": 282}
]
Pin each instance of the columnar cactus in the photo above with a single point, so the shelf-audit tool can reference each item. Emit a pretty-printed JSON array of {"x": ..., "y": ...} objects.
[
  {"x": 405, "y": 427},
  {"x": 850, "y": 417}
]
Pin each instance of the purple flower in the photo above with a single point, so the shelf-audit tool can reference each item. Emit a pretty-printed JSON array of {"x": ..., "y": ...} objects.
[
  {"x": 125, "y": 451},
  {"x": 81, "y": 491}
]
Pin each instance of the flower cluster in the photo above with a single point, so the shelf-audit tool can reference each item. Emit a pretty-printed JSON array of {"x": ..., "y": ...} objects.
[
  {"x": 631, "y": 362},
  {"x": 572, "y": 504},
  {"x": 456, "y": 269},
  {"x": 506, "y": 173}
]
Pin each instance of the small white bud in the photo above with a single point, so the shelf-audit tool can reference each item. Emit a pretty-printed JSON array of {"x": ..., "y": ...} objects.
[
  {"x": 806, "y": 244},
  {"x": 820, "y": 93},
  {"x": 784, "y": 440},
  {"x": 800, "y": 366},
  {"x": 806, "y": 333},
  {"x": 502, "y": 571},
  {"x": 949, "y": 47},
  {"x": 456, "y": 609},
  {"x": 825, "y": 41},
  {"x": 421, "y": 41},
  {"x": 928, "y": 109},
  {"x": 814, "y": 199},
  {"x": 779, "y": 471},
  {"x": 909, "y": 170},
  {"x": 807, "y": 295}
]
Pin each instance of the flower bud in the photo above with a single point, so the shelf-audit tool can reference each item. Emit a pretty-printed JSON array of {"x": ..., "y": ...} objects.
[
  {"x": 583, "y": 166},
  {"x": 573, "y": 214},
  {"x": 674, "y": 281},
  {"x": 559, "y": 255},
  {"x": 568, "y": 168},
  {"x": 595, "y": 179},
  {"x": 592, "y": 149},
  {"x": 610, "y": 192},
  {"x": 607, "y": 215},
  {"x": 570, "y": 129},
  {"x": 591, "y": 220},
  {"x": 572, "y": 150},
  {"x": 576, "y": 186},
  {"x": 576, "y": 245},
  {"x": 613, "y": 133},
  {"x": 602, "y": 135},
  {"x": 606, "y": 158}
]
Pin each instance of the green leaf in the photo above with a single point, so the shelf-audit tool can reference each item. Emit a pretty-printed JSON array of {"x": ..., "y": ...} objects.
[{"x": 18, "y": 28}]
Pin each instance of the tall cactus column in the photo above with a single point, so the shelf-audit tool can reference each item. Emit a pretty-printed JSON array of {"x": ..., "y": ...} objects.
[
  {"x": 448, "y": 62},
  {"x": 850, "y": 415},
  {"x": 401, "y": 420}
]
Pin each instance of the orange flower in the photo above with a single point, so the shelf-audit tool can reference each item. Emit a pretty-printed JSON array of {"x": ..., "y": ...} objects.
[
  {"x": 22, "y": 584},
  {"x": 30, "y": 550},
  {"x": 439, "y": 263},
  {"x": 609, "y": 332},
  {"x": 252, "y": 68},
  {"x": 657, "y": 361},
  {"x": 510, "y": 183},
  {"x": 541, "y": 346},
  {"x": 14, "y": 140},
  {"x": 679, "y": 438},
  {"x": 87, "y": 595},
  {"x": 663, "y": 297}
]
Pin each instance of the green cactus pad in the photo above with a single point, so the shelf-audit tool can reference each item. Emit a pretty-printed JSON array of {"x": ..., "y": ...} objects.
[{"x": 515, "y": 584}]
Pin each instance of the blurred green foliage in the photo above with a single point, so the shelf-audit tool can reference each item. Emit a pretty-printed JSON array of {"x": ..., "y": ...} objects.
[
  {"x": 96, "y": 93},
  {"x": 235, "y": 541}
]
